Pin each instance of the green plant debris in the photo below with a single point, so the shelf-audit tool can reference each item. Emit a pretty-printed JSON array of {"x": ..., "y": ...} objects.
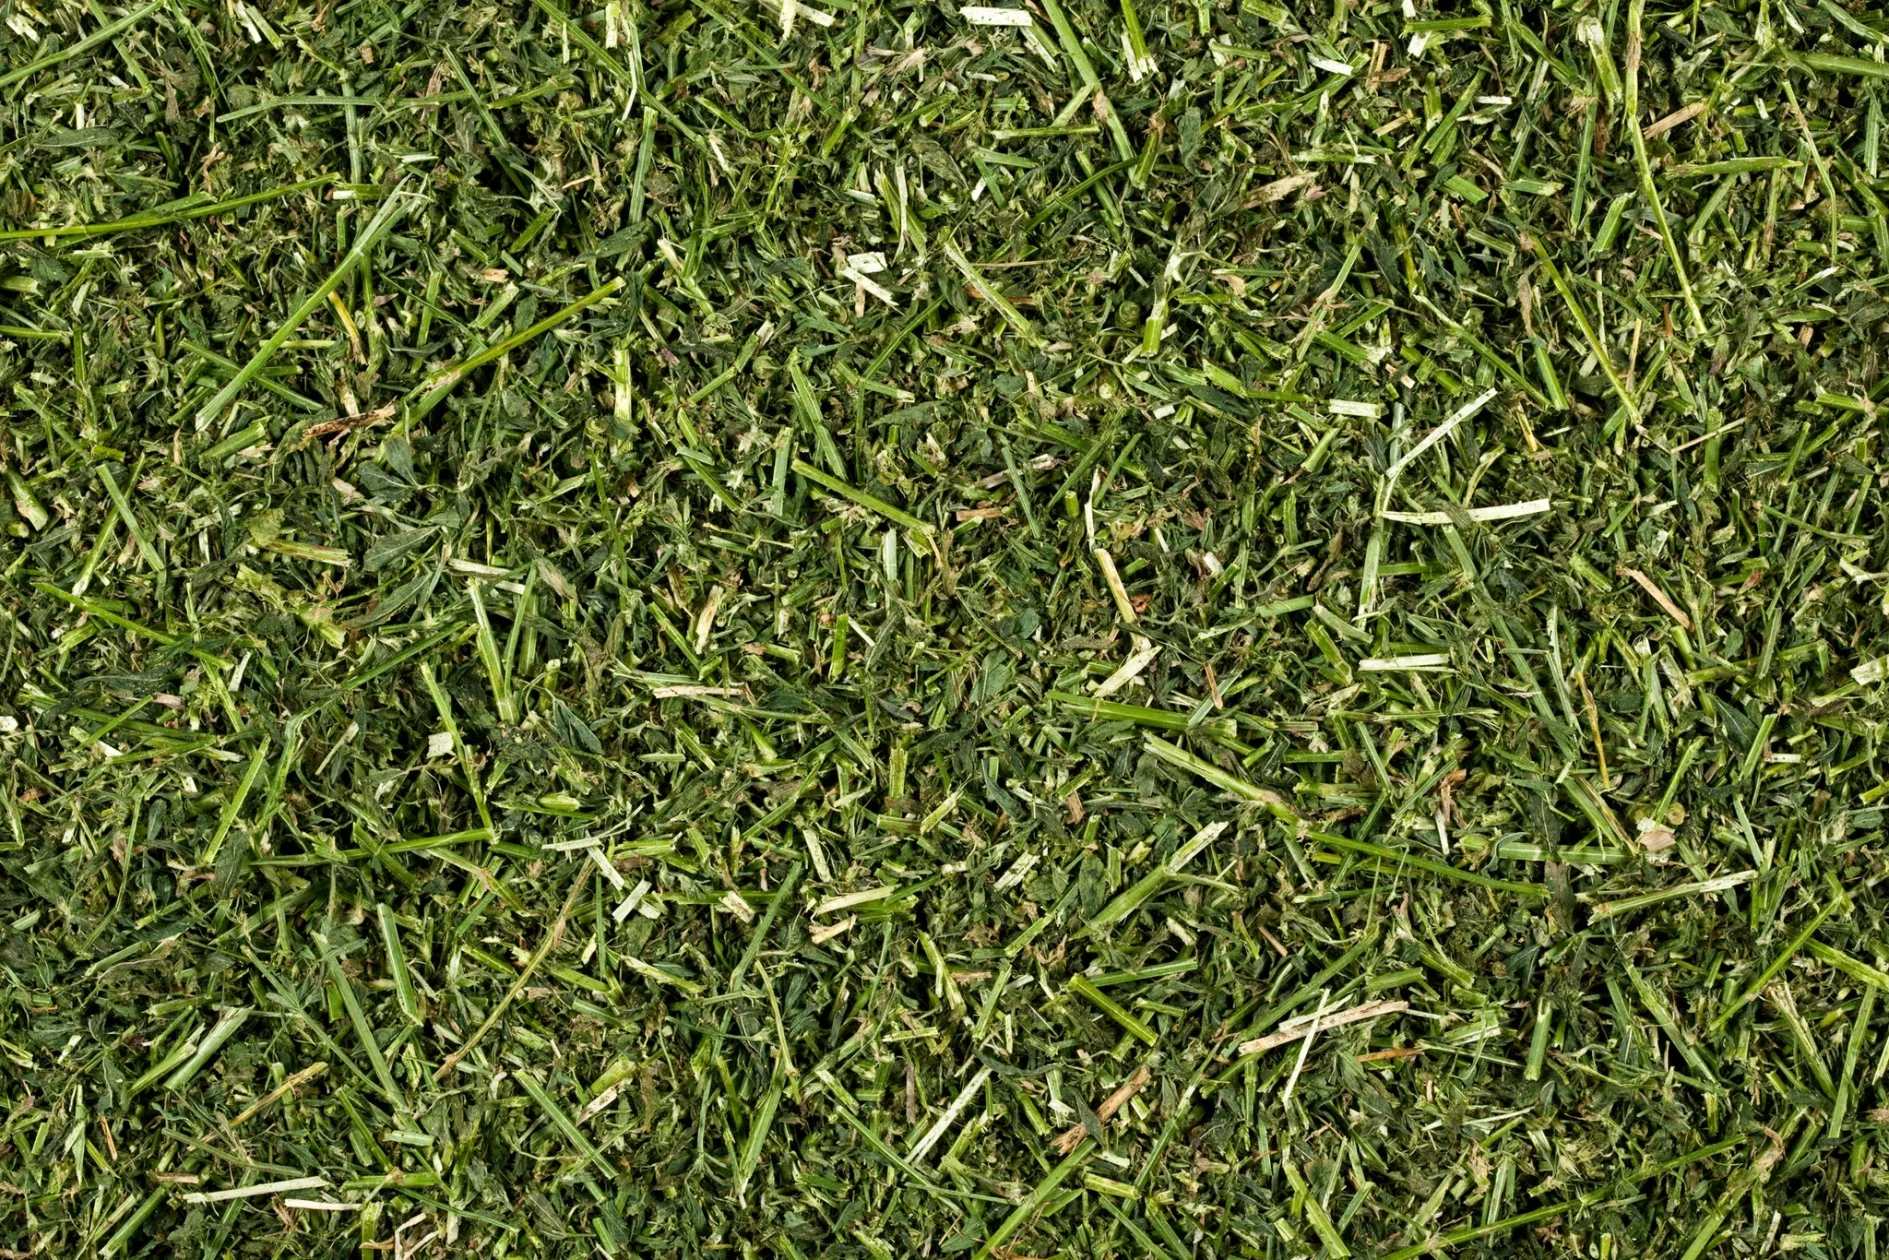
[{"x": 1057, "y": 628}]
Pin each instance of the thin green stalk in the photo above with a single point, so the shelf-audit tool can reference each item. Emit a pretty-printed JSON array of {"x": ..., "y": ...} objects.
[
  {"x": 1636, "y": 10},
  {"x": 194, "y": 207},
  {"x": 1777, "y": 964},
  {"x": 428, "y": 395},
  {"x": 97, "y": 37},
  {"x": 383, "y": 221},
  {"x": 1066, "y": 35},
  {"x": 1580, "y": 320},
  {"x": 1034, "y": 1201}
]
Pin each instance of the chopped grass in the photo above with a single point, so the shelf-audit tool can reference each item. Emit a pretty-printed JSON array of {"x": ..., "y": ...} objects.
[{"x": 1064, "y": 628}]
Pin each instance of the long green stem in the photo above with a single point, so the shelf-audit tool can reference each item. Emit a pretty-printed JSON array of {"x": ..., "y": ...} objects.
[
  {"x": 429, "y": 394},
  {"x": 90, "y": 42},
  {"x": 1635, "y": 12},
  {"x": 1580, "y": 319},
  {"x": 191, "y": 208},
  {"x": 364, "y": 244}
]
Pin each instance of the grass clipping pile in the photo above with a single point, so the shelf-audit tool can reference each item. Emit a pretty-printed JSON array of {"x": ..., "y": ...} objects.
[{"x": 1085, "y": 629}]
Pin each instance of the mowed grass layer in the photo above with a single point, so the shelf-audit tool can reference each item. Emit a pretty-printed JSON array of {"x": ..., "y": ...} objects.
[{"x": 1082, "y": 628}]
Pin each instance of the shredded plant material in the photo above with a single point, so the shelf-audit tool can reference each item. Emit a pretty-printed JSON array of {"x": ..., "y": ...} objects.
[{"x": 1066, "y": 628}]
